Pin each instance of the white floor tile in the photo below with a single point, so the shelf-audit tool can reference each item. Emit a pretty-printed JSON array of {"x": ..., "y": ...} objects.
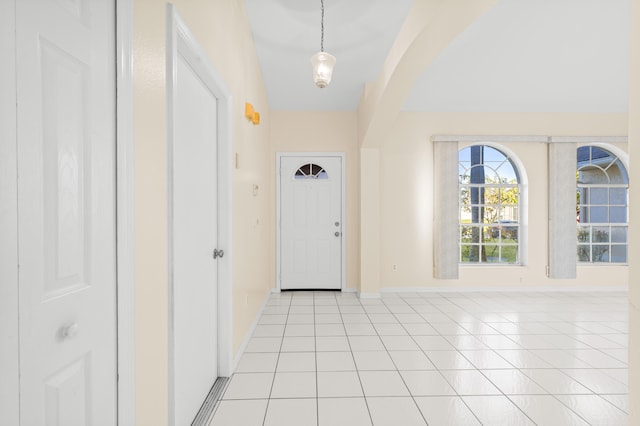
[
  {"x": 335, "y": 361},
  {"x": 486, "y": 359},
  {"x": 352, "y": 309},
  {"x": 291, "y": 412},
  {"x": 395, "y": 412},
  {"x": 470, "y": 382},
  {"x": 332, "y": 343},
  {"x": 411, "y": 360},
  {"x": 360, "y": 330},
  {"x": 383, "y": 319},
  {"x": 620, "y": 401},
  {"x": 546, "y": 410},
  {"x": 446, "y": 411},
  {"x": 240, "y": 413},
  {"x": 513, "y": 382},
  {"x": 249, "y": 386},
  {"x": 390, "y": 330},
  {"x": 598, "y": 359},
  {"x": 296, "y": 361},
  {"x": 343, "y": 412},
  {"x": 466, "y": 343},
  {"x": 294, "y": 385},
  {"x": 619, "y": 374},
  {"x": 399, "y": 343},
  {"x": 499, "y": 342},
  {"x": 555, "y": 382},
  {"x": 560, "y": 358},
  {"x": 298, "y": 344},
  {"x": 383, "y": 383},
  {"x": 497, "y": 411},
  {"x": 410, "y": 318},
  {"x": 257, "y": 363},
  {"x": 327, "y": 310},
  {"x": 330, "y": 330},
  {"x": 522, "y": 359},
  {"x": 420, "y": 330},
  {"x": 426, "y": 383},
  {"x": 449, "y": 360},
  {"x": 595, "y": 410},
  {"x": 339, "y": 384},
  {"x": 299, "y": 330},
  {"x": 449, "y": 329},
  {"x": 268, "y": 331},
  {"x": 373, "y": 360},
  {"x": 366, "y": 343},
  {"x": 328, "y": 319},
  {"x": 596, "y": 381},
  {"x": 433, "y": 343},
  {"x": 355, "y": 319},
  {"x": 556, "y": 356},
  {"x": 301, "y": 319},
  {"x": 273, "y": 319},
  {"x": 264, "y": 344}
]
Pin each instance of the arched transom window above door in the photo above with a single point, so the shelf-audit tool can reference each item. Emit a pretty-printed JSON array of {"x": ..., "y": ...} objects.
[{"x": 310, "y": 171}]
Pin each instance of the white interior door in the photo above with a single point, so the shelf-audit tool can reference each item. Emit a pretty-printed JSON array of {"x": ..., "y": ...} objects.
[
  {"x": 195, "y": 227},
  {"x": 66, "y": 211},
  {"x": 311, "y": 222}
]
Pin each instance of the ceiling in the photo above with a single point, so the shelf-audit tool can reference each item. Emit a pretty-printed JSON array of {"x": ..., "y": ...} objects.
[{"x": 522, "y": 55}]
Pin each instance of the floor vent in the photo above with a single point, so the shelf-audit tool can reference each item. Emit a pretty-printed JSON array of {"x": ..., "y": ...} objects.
[{"x": 206, "y": 411}]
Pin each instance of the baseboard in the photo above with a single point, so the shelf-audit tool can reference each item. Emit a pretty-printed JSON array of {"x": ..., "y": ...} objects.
[
  {"x": 247, "y": 337},
  {"x": 510, "y": 289},
  {"x": 369, "y": 295}
]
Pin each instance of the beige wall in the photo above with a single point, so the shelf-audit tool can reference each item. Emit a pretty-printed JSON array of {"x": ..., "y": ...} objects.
[
  {"x": 222, "y": 29},
  {"x": 406, "y": 194},
  {"x": 318, "y": 131}
]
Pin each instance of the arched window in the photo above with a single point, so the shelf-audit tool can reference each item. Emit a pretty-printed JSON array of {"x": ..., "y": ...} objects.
[
  {"x": 311, "y": 171},
  {"x": 601, "y": 206},
  {"x": 489, "y": 217}
]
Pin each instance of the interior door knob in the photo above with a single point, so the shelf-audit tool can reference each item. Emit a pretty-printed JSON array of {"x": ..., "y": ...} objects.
[{"x": 70, "y": 331}]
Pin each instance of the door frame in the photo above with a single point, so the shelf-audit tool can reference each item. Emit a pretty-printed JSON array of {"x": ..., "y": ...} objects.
[
  {"x": 343, "y": 212},
  {"x": 125, "y": 215},
  {"x": 181, "y": 42}
]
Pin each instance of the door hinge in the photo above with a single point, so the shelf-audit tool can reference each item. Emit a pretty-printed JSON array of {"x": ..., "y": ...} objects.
[{"x": 218, "y": 253}]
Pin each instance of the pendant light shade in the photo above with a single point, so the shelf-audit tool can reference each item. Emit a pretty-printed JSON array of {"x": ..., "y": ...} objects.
[{"x": 323, "y": 63}]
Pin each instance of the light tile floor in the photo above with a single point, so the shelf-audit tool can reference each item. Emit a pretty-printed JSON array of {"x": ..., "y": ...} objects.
[{"x": 331, "y": 359}]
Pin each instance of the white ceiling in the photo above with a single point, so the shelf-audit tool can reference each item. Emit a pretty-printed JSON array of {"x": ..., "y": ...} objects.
[
  {"x": 522, "y": 55},
  {"x": 359, "y": 33}
]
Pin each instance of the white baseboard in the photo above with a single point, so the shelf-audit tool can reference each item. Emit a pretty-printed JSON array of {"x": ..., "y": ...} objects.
[
  {"x": 369, "y": 295},
  {"x": 509, "y": 289},
  {"x": 247, "y": 337}
]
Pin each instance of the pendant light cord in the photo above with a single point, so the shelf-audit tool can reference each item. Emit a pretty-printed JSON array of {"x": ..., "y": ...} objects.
[{"x": 322, "y": 26}]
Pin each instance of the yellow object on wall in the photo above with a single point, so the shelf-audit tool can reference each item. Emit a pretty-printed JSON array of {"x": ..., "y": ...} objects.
[{"x": 248, "y": 111}]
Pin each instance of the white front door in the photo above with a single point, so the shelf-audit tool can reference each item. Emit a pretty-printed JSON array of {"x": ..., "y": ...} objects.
[
  {"x": 311, "y": 222},
  {"x": 65, "y": 70},
  {"x": 195, "y": 236}
]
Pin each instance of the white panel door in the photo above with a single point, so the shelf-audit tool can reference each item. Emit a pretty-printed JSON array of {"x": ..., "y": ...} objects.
[
  {"x": 195, "y": 227},
  {"x": 66, "y": 211},
  {"x": 9, "y": 338},
  {"x": 310, "y": 223}
]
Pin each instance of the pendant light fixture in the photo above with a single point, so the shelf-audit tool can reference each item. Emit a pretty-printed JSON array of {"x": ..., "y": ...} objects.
[{"x": 322, "y": 61}]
